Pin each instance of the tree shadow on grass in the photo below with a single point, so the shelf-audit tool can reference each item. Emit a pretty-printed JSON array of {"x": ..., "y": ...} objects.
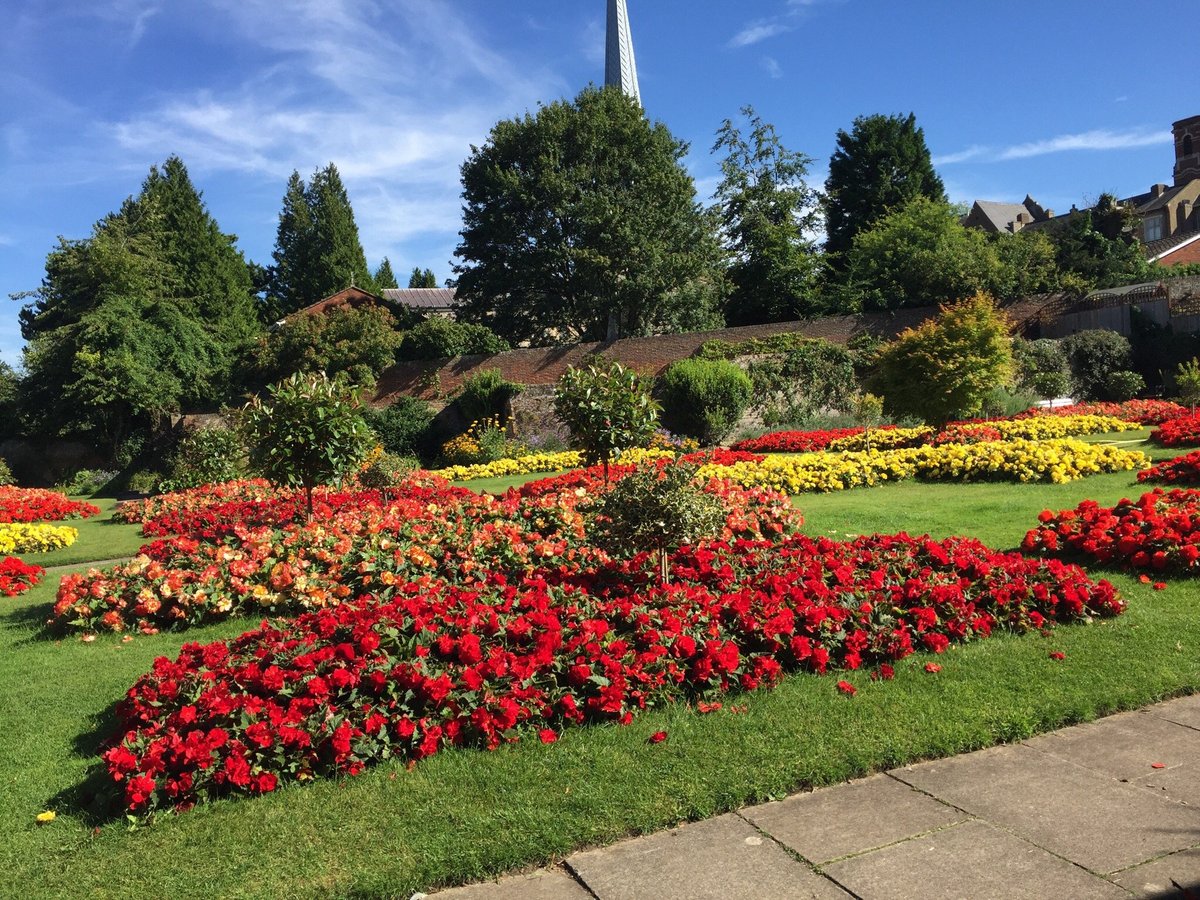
[
  {"x": 32, "y": 619},
  {"x": 96, "y": 799}
]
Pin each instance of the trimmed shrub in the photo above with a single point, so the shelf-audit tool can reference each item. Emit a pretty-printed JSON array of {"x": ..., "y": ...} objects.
[
  {"x": 608, "y": 408},
  {"x": 403, "y": 428},
  {"x": 1094, "y": 356},
  {"x": 1042, "y": 367},
  {"x": 438, "y": 338},
  {"x": 6, "y": 475},
  {"x": 485, "y": 395},
  {"x": 703, "y": 398},
  {"x": 205, "y": 456}
]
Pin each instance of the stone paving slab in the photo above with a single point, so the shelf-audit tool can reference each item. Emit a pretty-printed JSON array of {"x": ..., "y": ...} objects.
[
  {"x": 1183, "y": 711},
  {"x": 1125, "y": 746},
  {"x": 972, "y": 860},
  {"x": 1080, "y": 815},
  {"x": 834, "y": 822},
  {"x": 1180, "y": 783},
  {"x": 544, "y": 884},
  {"x": 719, "y": 858},
  {"x": 1154, "y": 879}
]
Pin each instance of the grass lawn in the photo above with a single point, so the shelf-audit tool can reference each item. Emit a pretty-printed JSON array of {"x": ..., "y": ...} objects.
[
  {"x": 99, "y": 538},
  {"x": 462, "y": 816}
]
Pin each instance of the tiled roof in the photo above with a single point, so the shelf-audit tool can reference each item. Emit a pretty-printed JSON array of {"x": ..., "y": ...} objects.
[
  {"x": 1002, "y": 215},
  {"x": 421, "y": 298},
  {"x": 1155, "y": 249}
]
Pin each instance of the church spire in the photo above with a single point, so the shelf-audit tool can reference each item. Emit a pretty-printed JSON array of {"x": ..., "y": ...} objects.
[{"x": 620, "y": 70}]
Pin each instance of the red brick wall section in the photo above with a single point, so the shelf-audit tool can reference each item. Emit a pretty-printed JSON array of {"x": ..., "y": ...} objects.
[
  {"x": 1189, "y": 253},
  {"x": 432, "y": 379}
]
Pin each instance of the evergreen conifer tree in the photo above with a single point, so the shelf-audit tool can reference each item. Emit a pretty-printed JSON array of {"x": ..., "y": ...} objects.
[
  {"x": 422, "y": 279},
  {"x": 385, "y": 278}
]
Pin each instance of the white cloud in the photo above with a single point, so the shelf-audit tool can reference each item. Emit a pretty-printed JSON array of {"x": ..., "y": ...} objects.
[
  {"x": 772, "y": 66},
  {"x": 1098, "y": 139},
  {"x": 756, "y": 32}
]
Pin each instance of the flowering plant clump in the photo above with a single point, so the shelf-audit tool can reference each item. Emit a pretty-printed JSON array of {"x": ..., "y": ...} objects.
[
  {"x": 39, "y": 505},
  {"x": 20, "y": 537},
  {"x": 418, "y": 665},
  {"x": 880, "y": 439},
  {"x": 245, "y": 490},
  {"x": 1144, "y": 412},
  {"x": 1017, "y": 460},
  {"x": 1160, "y": 531},
  {"x": 1180, "y": 470},
  {"x": 966, "y": 434},
  {"x": 799, "y": 441},
  {"x": 17, "y": 576},
  {"x": 1181, "y": 432},
  {"x": 240, "y": 568}
]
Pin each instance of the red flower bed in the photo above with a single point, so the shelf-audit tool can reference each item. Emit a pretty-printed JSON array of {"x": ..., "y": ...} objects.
[
  {"x": 1160, "y": 531},
  {"x": 235, "y": 568},
  {"x": 38, "y": 505},
  {"x": 1144, "y": 412},
  {"x": 16, "y": 576},
  {"x": 719, "y": 456},
  {"x": 1180, "y": 470},
  {"x": 1181, "y": 432},
  {"x": 966, "y": 433},
  {"x": 798, "y": 441},
  {"x": 419, "y": 665}
]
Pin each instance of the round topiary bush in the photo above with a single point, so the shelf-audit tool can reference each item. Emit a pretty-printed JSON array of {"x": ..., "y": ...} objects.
[{"x": 703, "y": 398}]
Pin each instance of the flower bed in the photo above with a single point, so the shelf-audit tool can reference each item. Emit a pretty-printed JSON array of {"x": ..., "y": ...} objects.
[
  {"x": 1180, "y": 470},
  {"x": 38, "y": 505},
  {"x": 1181, "y": 432},
  {"x": 448, "y": 534},
  {"x": 1017, "y": 460},
  {"x": 1144, "y": 412},
  {"x": 879, "y": 439},
  {"x": 17, "y": 576},
  {"x": 1159, "y": 531},
  {"x": 799, "y": 441},
  {"x": 21, "y": 537},
  {"x": 423, "y": 665}
]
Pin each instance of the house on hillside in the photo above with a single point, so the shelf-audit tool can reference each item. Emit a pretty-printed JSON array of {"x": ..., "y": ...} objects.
[
  {"x": 404, "y": 302},
  {"x": 1168, "y": 222}
]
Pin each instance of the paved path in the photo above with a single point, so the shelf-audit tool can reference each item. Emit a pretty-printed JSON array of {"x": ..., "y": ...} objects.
[{"x": 1106, "y": 809}]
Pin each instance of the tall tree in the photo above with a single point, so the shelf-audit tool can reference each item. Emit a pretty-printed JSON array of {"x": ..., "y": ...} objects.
[
  {"x": 385, "y": 278},
  {"x": 768, "y": 215},
  {"x": 422, "y": 279},
  {"x": 580, "y": 222},
  {"x": 881, "y": 164},
  {"x": 317, "y": 248},
  {"x": 145, "y": 316},
  {"x": 1095, "y": 248}
]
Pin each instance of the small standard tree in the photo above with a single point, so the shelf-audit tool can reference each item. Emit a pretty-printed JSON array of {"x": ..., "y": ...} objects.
[
  {"x": 1187, "y": 382},
  {"x": 607, "y": 408},
  {"x": 309, "y": 430},
  {"x": 657, "y": 509}
]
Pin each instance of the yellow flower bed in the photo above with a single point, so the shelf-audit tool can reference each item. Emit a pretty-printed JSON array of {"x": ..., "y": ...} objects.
[
  {"x": 543, "y": 462},
  {"x": 23, "y": 537},
  {"x": 1040, "y": 428},
  {"x": 1017, "y": 460},
  {"x": 882, "y": 439}
]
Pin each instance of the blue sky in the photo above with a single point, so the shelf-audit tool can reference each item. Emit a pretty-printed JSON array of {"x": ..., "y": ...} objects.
[{"x": 1063, "y": 99}]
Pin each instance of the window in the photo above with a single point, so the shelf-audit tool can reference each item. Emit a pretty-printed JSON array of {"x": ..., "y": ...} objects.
[{"x": 1152, "y": 229}]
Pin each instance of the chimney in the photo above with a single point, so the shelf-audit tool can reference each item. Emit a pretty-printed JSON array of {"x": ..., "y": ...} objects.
[{"x": 1157, "y": 190}]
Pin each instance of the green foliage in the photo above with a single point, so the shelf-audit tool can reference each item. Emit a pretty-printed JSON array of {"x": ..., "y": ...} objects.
[
  {"x": 145, "y": 316},
  {"x": 317, "y": 249},
  {"x": 6, "y": 475},
  {"x": 775, "y": 343},
  {"x": 385, "y": 278},
  {"x": 438, "y": 338},
  {"x": 386, "y": 470},
  {"x": 403, "y": 427},
  {"x": 1187, "y": 383},
  {"x": 309, "y": 430},
  {"x": 946, "y": 367},
  {"x": 87, "y": 482},
  {"x": 10, "y": 393},
  {"x": 768, "y": 213},
  {"x": 580, "y": 220},
  {"x": 1042, "y": 367},
  {"x": 1027, "y": 264},
  {"x": 607, "y": 408},
  {"x": 143, "y": 481},
  {"x": 1123, "y": 384},
  {"x": 485, "y": 394},
  {"x": 1094, "y": 356},
  {"x": 815, "y": 377},
  {"x": 206, "y": 456},
  {"x": 881, "y": 165},
  {"x": 1001, "y": 402},
  {"x": 703, "y": 398},
  {"x": 919, "y": 254},
  {"x": 360, "y": 343},
  {"x": 656, "y": 509},
  {"x": 422, "y": 279},
  {"x": 1097, "y": 248}
]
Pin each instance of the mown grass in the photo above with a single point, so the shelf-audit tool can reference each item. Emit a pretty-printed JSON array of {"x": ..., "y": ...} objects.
[
  {"x": 462, "y": 816},
  {"x": 99, "y": 538}
]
